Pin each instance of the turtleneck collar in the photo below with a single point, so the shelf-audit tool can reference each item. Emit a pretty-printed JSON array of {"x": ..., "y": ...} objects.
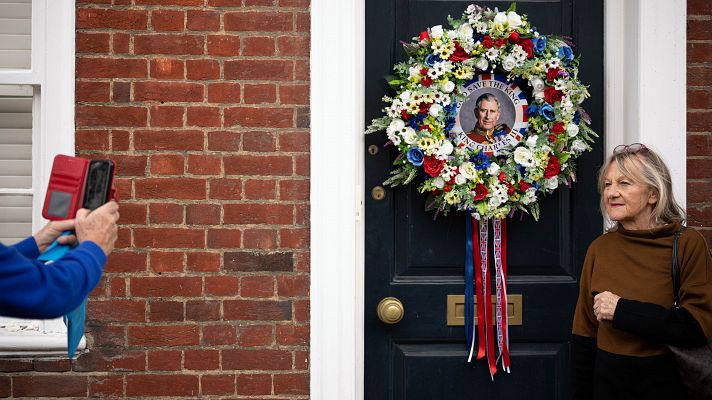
[{"x": 659, "y": 231}]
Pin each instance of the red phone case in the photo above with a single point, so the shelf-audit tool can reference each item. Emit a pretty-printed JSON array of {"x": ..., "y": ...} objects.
[{"x": 65, "y": 191}]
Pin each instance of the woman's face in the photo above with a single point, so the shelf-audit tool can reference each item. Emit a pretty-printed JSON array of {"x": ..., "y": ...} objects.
[{"x": 628, "y": 202}]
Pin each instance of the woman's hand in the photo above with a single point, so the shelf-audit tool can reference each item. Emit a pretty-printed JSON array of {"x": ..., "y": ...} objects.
[{"x": 604, "y": 305}]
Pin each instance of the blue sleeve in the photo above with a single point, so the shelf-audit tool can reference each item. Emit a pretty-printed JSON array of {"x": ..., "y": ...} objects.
[
  {"x": 28, "y": 248},
  {"x": 31, "y": 289}
]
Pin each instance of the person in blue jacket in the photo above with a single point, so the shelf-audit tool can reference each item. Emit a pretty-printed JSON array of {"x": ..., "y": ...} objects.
[{"x": 32, "y": 289}]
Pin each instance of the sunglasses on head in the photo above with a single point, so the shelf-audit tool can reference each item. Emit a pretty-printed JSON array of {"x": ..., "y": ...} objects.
[{"x": 629, "y": 148}]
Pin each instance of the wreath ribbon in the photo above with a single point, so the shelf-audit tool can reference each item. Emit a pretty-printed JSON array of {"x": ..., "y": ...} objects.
[{"x": 476, "y": 254}]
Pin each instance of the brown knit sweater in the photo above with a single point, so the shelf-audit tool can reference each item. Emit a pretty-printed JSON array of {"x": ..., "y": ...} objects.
[{"x": 636, "y": 265}]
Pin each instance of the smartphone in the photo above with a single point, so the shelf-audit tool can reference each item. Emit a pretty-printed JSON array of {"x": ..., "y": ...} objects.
[{"x": 98, "y": 183}]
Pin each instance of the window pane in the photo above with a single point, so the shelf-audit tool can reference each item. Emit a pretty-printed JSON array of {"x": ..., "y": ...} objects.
[
  {"x": 15, "y": 218},
  {"x": 15, "y": 33},
  {"x": 15, "y": 141}
]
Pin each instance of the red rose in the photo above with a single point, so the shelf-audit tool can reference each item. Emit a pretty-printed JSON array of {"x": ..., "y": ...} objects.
[
  {"x": 513, "y": 37},
  {"x": 551, "y": 74},
  {"x": 404, "y": 115},
  {"x": 557, "y": 128},
  {"x": 459, "y": 54},
  {"x": 524, "y": 185},
  {"x": 424, "y": 107},
  {"x": 510, "y": 188},
  {"x": 501, "y": 177},
  {"x": 426, "y": 81},
  {"x": 500, "y": 42},
  {"x": 528, "y": 46},
  {"x": 432, "y": 166},
  {"x": 552, "y": 138},
  {"x": 552, "y": 95},
  {"x": 480, "y": 192},
  {"x": 447, "y": 188},
  {"x": 552, "y": 168},
  {"x": 487, "y": 42},
  {"x": 424, "y": 36}
]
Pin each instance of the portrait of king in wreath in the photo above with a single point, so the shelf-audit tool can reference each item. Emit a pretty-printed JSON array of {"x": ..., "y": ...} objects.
[{"x": 487, "y": 130}]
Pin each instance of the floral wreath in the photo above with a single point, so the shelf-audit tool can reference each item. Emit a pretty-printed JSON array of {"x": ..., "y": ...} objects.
[{"x": 498, "y": 53}]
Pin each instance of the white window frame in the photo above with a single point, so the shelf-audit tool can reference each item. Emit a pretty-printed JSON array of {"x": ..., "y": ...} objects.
[
  {"x": 51, "y": 75},
  {"x": 634, "y": 86}
]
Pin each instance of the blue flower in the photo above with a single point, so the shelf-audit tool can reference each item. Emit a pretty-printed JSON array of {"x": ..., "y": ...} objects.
[
  {"x": 415, "y": 156},
  {"x": 431, "y": 59},
  {"x": 566, "y": 54},
  {"x": 577, "y": 117},
  {"x": 532, "y": 110},
  {"x": 481, "y": 161},
  {"x": 547, "y": 111},
  {"x": 539, "y": 44}
]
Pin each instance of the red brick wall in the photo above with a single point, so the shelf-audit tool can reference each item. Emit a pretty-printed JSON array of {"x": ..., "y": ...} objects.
[
  {"x": 204, "y": 105},
  {"x": 699, "y": 115}
]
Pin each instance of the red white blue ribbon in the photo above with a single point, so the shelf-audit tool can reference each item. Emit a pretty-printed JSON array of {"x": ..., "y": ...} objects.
[{"x": 477, "y": 270}]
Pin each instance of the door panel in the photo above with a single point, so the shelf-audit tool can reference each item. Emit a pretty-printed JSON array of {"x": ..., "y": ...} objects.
[{"x": 419, "y": 259}]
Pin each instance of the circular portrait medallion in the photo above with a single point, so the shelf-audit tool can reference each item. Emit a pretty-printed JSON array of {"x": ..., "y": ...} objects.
[{"x": 493, "y": 116}]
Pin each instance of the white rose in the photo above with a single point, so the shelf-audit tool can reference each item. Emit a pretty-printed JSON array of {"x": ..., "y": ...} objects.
[
  {"x": 448, "y": 86},
  {"x": 446, "y": 147},
  {"x": 531, "y": 141},
  {"x": 552, "y": 183},
  {"x": 515, "y": 21},
  {"x": 493, "y": 169},
  {"x": 436, "y": 32},
  {"x": 572, "y": 129},
  {"x": 482, "y": 64},
  {"x": 500, "y": 18},
  {"x": 464, "y": 32},
  {"x": 414, "y": 72},
  {"x": 460, "y": 180},
  {"x": 405, "y": 96},
  {"x": 523, "y": 156},
  {"x": 393, "y": 137},
  {"x": 468, "y": 170},
  {"x": 396, "y": 125},
  {"x": 438, "y": 182},
  {"x": 509, "y": 63},
  {"x": 537, "y": 84},
  {"x": 435, "y": 109},
  {"x": 409, "y": 135}
]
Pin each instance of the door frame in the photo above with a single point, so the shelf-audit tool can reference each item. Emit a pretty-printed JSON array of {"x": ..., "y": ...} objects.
[{"x": 632, "y": 82}]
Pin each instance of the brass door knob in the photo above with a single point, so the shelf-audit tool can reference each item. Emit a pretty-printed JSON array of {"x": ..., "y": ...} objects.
[{"x": 390, "y": 310}]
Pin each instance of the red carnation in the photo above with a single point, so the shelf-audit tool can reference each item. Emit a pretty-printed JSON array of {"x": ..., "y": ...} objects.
[
  {"x": 459, "y": 54},
  {"x": 552, "y": 95},
  {"x": 423, "y": 71},
  {"x": 528, "y": 46},
  {"x": 447, "y": 188},
  {"x": 502, "y": 177},
  {"x": 432, "y": 166},
  {"x": 552, "y": 138},
  {"x": 524, "y": 185},
  {"x": 552, "y": 168},
  {"x": 557, "y": 128},
  {"x": 424, "y": 107},
  {"x": 500, "y": 42},
  {"x": 426, "y": 81},
  {"x": 487, "y": 42},
  {"x": 551, "y": 74},
  {"x": 513, "y": 37},
  {"x": 404, "y": 115},
  {"x": 480, "y": 192},
  {"x": 424, "y": 36}
]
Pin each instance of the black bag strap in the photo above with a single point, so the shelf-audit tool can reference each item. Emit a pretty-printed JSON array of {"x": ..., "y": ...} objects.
[{"x": 676, "y": 269}]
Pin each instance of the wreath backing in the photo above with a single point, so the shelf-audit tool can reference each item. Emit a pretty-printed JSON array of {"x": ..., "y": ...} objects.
[{"x": 492, "y": 52}]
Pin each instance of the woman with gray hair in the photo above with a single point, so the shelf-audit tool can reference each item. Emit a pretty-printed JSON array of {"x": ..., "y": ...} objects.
[{"x": 625, "y": 314}]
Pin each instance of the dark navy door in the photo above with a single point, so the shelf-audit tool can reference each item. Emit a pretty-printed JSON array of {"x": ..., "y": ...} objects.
[{"x": 420, "y": 261}]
